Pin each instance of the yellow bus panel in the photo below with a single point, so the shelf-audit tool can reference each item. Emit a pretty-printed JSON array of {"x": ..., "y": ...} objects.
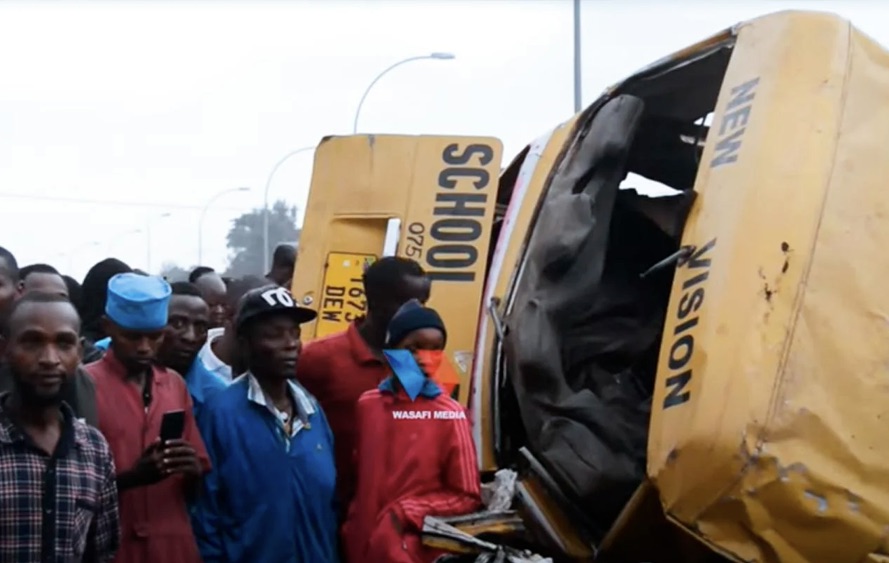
[{"x": 429, "y": 198}]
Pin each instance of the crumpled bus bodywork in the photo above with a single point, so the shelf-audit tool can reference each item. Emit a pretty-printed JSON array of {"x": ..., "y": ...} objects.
[{"x": 707, "y": 366}]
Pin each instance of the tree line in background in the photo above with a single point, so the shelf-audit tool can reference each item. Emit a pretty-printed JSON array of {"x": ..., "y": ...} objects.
[{"x": 244, "y": 242}]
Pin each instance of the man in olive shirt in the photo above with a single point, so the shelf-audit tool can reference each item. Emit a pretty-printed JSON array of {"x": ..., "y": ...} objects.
[{"x": 79, "y": 391}]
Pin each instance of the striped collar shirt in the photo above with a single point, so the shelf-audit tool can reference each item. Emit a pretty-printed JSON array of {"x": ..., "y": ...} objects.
[{"x": 305, "y": 407}]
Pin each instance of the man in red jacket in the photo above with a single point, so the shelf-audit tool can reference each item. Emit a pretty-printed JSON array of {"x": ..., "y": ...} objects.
[
  {"x": 339, "y": 368},
  {"x": 414, "y": 454}
]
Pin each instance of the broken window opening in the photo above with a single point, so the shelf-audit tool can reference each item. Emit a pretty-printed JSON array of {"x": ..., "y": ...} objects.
[{"x": 576, "y": 369}]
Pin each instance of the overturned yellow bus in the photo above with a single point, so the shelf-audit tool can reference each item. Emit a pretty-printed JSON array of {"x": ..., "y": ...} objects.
[{"x": 700, "y": 376}]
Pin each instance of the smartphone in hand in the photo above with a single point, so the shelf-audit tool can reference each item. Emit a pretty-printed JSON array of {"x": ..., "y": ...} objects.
[{"x": 172, "y": 425}]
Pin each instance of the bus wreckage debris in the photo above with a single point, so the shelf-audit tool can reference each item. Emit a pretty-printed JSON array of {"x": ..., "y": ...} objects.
[{"x": 438, "y": 533}]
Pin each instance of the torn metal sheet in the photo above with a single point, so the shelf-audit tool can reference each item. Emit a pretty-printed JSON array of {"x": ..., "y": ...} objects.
[
  {"x": 502, "y": 523},
  {"x": 439, "y": 534}
]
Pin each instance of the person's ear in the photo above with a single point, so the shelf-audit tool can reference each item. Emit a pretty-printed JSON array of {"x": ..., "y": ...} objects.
[{"x": 20, "y": 288}]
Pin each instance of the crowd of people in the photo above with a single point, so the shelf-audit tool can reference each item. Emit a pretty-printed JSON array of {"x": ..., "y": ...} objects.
[{"x": 144, "y": 421}]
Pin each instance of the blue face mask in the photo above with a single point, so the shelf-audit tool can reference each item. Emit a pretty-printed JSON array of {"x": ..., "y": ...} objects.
[{"x": 406, "y": 370}]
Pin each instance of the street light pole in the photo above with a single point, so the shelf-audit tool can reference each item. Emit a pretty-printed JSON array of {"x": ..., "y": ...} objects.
[
  {"x": 204, "y": 214},
  {"x": 577, "y": 72},
  {"x": 148, "y": 240},
  {"x": 265, "y": 206},
  {"x": 436, "y": 56}
]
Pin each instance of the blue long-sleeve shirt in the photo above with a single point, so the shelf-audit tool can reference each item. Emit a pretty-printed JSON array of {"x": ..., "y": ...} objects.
[
  {"x": 270, "y": 497},
  {"x": 202, "y": 385}
]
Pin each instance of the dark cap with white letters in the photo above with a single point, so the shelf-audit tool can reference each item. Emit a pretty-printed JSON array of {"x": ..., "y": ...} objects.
[{"x": 270, "y": 300}]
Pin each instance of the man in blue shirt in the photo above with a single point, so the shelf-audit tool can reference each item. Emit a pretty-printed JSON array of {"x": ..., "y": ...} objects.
[
  {"x": 188, "y": 319},
  {"x": 271, "y": 494}
]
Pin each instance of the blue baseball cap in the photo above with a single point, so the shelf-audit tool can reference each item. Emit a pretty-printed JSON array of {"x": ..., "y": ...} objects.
[{"x": 138, "y": 303}]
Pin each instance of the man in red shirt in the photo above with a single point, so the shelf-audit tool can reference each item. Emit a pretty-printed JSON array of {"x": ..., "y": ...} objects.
[
  {"x": 154, "y": 479},
  {"x": 339, "y": 368}
]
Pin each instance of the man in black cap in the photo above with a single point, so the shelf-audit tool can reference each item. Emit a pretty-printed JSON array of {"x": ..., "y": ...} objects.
[{"x": 270, "y": 446}]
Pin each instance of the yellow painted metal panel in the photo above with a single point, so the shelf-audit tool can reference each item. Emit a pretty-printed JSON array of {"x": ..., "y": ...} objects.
[
  {"x": 342, "y": 295},
  {"x": 767, "y": 434},
  {"x": 441, "y": 189},
  {"x": 447, "y": 228}
]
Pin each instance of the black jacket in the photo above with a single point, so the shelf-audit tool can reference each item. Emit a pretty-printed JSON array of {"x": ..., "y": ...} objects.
[{"x": 79, "y": 393}]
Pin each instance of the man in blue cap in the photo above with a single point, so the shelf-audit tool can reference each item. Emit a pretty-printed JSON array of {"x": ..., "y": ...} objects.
[{"x": 155, "y": 479}]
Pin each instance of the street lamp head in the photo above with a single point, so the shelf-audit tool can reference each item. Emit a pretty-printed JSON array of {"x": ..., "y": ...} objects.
[{"x": 443, "y": 56}]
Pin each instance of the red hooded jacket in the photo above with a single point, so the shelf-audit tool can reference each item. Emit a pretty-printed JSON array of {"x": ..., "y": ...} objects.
[{"x": 414, "y": 458}]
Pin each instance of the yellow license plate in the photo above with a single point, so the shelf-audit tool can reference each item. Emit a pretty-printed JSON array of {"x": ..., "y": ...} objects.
[{"x": 342, "y": 297}]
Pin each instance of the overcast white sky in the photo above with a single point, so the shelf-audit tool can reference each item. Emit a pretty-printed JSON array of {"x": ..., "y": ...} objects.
[{"x": 106, "y": 107}]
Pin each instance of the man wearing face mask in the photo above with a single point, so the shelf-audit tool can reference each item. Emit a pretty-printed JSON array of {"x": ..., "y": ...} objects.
[{"x": 415, "y": 456}]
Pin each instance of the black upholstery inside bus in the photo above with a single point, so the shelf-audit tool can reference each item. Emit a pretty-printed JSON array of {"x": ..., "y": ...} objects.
[{"x": 584, "y": 328}]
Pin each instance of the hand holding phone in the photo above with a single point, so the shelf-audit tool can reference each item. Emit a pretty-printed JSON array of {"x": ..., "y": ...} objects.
[
  {"x": 178, "y": 455},
  {"x": 172, "y": 425}
]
